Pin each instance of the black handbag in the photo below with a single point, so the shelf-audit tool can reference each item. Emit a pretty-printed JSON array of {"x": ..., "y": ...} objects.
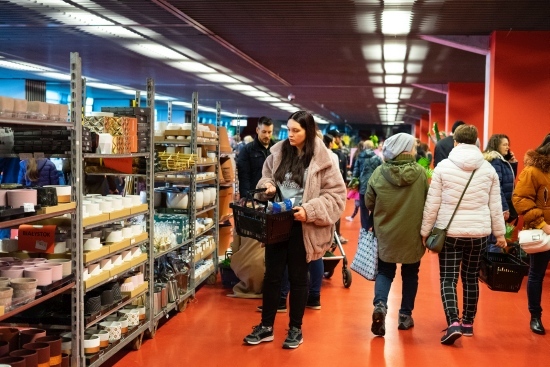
[{"x": 436, "y": 239}]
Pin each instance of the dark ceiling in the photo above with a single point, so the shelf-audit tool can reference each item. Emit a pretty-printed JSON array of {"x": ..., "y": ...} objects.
[{"x": 327, "y": 53}]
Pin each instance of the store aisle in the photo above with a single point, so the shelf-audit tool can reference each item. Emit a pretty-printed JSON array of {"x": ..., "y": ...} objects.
[{"x": 210, "y": 331}]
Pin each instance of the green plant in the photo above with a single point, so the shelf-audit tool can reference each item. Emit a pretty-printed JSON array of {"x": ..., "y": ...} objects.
[
  {"x": 509, "y": 231},
  {"x": 353, "y": 183},
  {"x": 225, "y": 263},
  {"x": 374, "y": 139}
]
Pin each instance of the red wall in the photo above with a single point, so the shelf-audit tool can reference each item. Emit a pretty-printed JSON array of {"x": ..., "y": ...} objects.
[{"x": 465, "y": 101}]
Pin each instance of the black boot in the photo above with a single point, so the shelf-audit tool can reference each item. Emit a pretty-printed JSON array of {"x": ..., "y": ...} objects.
[{"x": 536, "y": 326}]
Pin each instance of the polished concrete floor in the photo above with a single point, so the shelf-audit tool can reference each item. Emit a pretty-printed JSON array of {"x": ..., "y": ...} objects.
[{"x": 210, "y": 331}]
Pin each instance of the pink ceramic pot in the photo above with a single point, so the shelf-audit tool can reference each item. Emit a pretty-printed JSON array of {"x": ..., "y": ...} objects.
[
  {"x": 17, "y": 198},
  {"x": 12, "y": 272},
  {"x": 57, "y": 270},
  {"x": 42, "y": 275}
]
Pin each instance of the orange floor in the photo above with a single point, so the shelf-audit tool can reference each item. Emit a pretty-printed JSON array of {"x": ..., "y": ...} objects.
[{"x": 210, "y": 331}]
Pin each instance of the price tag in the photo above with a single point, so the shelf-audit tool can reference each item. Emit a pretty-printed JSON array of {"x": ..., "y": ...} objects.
[{"x": 28, "y": 207}]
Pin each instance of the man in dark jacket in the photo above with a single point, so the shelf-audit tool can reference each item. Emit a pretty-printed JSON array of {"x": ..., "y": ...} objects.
[
  {"x": 340, "y": 152},
  {"x": 445, "y": 145},
  {"x": 252, "y": 157},
  {"x": 365, "y": 166}
]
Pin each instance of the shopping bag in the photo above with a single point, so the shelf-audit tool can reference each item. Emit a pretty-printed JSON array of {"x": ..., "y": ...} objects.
[{"x": 365, "y": 262}]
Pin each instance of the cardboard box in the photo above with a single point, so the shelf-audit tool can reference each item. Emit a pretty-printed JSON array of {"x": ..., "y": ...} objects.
[
  {"x": 139, "y": 209},
  {"x": 225, "y": 147},
  {"x": 120, "y": 213},
  {"x": 95, "y": 280},
  {"x": 37, "y": 238},
  {"x": 142, "y": 288},
  {"x": 138, "y": 260},
  {"x": 119, "y": 269},
  {"x": 95, "y": 219},
  {"x": 56, "y": 208},
  {"x": 117, "y": 246},
  {"x": 139, "y": 238},
  {"x": 93, "y": 255}
]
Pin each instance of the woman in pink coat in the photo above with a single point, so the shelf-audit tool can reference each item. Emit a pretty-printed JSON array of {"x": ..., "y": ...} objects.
[{"x": 301, "y": 168}]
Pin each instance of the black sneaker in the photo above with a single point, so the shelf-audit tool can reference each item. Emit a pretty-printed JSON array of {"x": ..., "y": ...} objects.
[
  {"x": 280, "y": 308},
  {"x": 452, "y": 333},
  {"x": 314, "y": 302},
  {"x": 467, "y": 329},
  {"x": 293, "y": 339},
  {"x": 405, "y": 322},
  {"x": 259, "y": 334},
  {"x": 379, "y": 319}
]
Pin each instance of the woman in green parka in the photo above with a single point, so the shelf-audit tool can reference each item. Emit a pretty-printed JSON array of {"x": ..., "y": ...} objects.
[{"x": 395, "y": 195}]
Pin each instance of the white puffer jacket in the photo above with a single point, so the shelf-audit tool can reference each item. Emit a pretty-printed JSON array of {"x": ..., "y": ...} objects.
[{"x": 480, "y": 211}]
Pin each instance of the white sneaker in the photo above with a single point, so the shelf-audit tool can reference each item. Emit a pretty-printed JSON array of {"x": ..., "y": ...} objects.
[{"x": 349, "y": 219}]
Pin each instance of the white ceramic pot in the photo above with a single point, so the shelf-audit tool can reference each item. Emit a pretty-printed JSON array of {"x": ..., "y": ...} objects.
[
  {"x": 177, "y": 200},
  {"x": 114, "y": 329},
  {"x": 92, "y": 244},
  {"x": 66, "y": 264},
  {"x": 114, "y": 236},
  {"x": 199, "y": 199},
  {"x": 136, "y": 229},
  {"x": 206, "y": 197},
  {"x": 42, "y": 275}
]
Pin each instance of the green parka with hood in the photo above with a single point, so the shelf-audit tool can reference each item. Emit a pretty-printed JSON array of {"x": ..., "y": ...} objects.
[{"x": 396, "y": 194}]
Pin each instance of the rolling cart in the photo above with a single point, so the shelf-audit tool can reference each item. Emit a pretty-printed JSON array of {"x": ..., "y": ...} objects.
[{"x": 330, "y": 262}]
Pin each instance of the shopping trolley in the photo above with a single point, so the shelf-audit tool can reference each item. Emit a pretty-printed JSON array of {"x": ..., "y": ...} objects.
[{"x": 330, "y": 262}]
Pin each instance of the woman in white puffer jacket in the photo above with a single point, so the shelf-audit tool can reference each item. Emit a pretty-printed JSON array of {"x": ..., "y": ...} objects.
[{"x": 479, "y": 214}]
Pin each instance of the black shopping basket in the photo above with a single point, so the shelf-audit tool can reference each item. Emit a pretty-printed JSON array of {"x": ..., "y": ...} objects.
[
  {"x": 265, "y": 227},
  {"x": 502, "y": 272}
]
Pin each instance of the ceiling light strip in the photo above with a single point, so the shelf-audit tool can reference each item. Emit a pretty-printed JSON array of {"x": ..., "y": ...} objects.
[{"x": 181, "y": 15}]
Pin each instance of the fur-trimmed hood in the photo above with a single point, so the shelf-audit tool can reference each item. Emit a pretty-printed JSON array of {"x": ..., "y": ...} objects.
[
  {"x": 492, "y": 155},
  {"x": 537, "y": 160}
]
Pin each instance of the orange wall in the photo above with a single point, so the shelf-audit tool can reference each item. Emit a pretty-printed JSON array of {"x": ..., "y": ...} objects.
[
  {"x": 437, "y": 113},
  {"x": 465, "y": 102},
  {"x": 424, "y": 128},
  {"x": 519, "y": 88}
]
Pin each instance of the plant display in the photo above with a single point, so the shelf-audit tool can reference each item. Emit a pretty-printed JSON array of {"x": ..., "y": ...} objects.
[
  {"x": 425, "y": 163},
  {"x": 437, "y": 135}
]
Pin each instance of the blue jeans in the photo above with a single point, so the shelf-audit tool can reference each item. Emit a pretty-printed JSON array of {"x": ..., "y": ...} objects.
[
  {"x": 384, "y": 279},
  {"x": 316, "y": 272},
  {"x": 537, "y": 269},
  {"x": 491, "y": 245}
]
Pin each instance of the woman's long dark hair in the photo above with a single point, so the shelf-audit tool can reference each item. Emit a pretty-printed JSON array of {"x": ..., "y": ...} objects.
[
  {"x": 494, "y": 142},
  {"x": 544, "y": 148},
  {"x": 291, "y": 161}
]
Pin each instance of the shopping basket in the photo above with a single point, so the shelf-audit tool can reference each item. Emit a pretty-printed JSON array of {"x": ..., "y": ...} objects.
[
  {"x": 255, "y": 223},
  {"x": 502, "y": 272}
]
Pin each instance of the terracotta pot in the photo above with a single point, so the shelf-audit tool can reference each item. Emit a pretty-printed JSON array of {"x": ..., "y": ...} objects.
[
  {"x": 14, "y": 361},
  {"x": 6, "y": 294},
  {"x": 10, "y": 335},
  {"x": 65, "y": 360},
  {"x": 4, "y": 348},
  {"x": 30, "y": 335},
  {"x": 42, "y": 350},
  {"x": 24, "y": 288},
  {"x": 55, "y": 349},
  {"x": 4, "y": 282},
  {"x": 31, "y": 357}
]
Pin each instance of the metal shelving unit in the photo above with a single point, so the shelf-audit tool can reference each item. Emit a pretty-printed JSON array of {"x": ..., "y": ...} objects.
[
  {"x": 191, "y": 183},
  {"x": 135, "y": 335}
]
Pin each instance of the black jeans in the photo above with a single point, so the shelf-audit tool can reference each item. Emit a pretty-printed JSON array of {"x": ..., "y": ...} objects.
[
  {"x": 384, "y": 279},
  {"x": 291, "y": 253},
  {"x": 537, "y": 270}
]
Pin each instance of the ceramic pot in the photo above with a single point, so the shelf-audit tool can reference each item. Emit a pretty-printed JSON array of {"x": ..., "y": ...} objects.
[
  {"x": 17, "y": 198},
  {"x": 55, "y": 349},
  {"x": 177, "y": 200},
  {"x": 31, "y": 357},
  {"x": 46, "y": 196},
  {"x": 6, "y": 295},
  {"x": 4, "y": 348},
  {"x": 30, "y": 335},
  {"x": 65, "y": 360},
  {"x": 114, "y": 329},
  {"x": 67, "y": 266},
  {"x": 14, "y": 361},
  {"x": 43, "y": 275},
  {"x": 10, "y": 335},
  {"x": 24, "y": 289},
  {"x": 4, "y": 282},
  {"x": 57, "y": 270},
  {"x": 12, "y": 272},
  {"x": 91, "y": 344},
  {"x": 199, "y": 199},
  {"x": 42, "y": 350}
]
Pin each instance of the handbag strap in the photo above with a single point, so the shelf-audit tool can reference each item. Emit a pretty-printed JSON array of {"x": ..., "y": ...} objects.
[{"x": 459, "y": 200}]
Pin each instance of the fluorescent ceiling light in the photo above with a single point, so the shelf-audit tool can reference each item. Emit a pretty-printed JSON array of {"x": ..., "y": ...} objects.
[
  {"x": 191, "y": 67},
  {"x": 375, "y": 68},
  {"x": 392, "y": 95},
  {"x": 22, "y": 66},
  {"x": 379, "y": 95},
  {"x": 240, "y": 87},
  {"x": 414, "y": 67},
  {"x": 268, "y": 99},
  {"x": 394, "y": 67},
  {"x": 395, "y": 52},
  {"x": 411, "y": 79},
  {"x": 283, "y": 105},
  {"x": 392, "y": 100},
  {"x": 392, "y": 90},
  {"x": 156, "y": 51},
  {"x": 255, "y": 93},
  {"x": 393, "y": 79},
  {"x": 376, "y": 79},
  {"x": 55, "y": 75},
  {"x": 366, "y": 22},
  {"x": 418, "y": 52},
  {"x": 396, "y": 22},
  {"x": 218, "y": 78},
  {"x": 372, "y": 52},
  {"x": 104, "y": 86},
  {"x": 184, "y": 104}
]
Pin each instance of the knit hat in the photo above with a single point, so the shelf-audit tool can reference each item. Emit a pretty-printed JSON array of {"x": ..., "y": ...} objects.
[{"x": 397, "y": 144}]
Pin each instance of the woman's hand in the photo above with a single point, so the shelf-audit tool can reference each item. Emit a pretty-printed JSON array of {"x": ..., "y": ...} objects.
[
  {"x": 501, "y": 242},
  {"x": 506, "y": 214},
  {"x": 299, "y": 214},
  {"x": 424, "y": 238},
  {"x": 546, "y": 229},
  {"x": 513, "y": 157},
  {"x": 270, "y": 189}
]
